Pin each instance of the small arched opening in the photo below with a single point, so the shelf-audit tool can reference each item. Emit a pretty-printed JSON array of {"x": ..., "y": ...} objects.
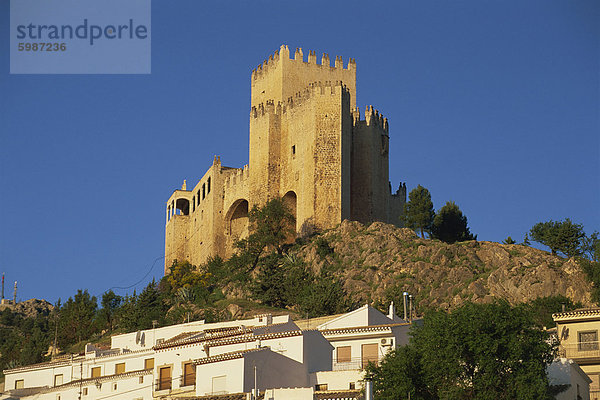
[
  {"x": 290, "y": 201},
  {"x": 183, "y": 205}
]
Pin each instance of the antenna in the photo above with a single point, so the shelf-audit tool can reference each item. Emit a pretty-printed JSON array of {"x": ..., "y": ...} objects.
[
  {"x": 2, "y": 286},
  {"x": 15, "y": 295}
]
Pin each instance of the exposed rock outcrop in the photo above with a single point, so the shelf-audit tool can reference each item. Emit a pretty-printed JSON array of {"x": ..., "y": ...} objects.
[{"x": 378, "y": 262}]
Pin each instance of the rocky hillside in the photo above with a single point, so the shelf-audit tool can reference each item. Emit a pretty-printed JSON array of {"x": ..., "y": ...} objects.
[
  {"x": 31, "y": 308},
  {"x": 378, "y": 262}
]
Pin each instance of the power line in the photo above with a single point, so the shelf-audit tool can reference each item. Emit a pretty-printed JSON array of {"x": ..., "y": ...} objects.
[
  {"x": 144, "y": 277},
  {"x": 186, "y": 241}
]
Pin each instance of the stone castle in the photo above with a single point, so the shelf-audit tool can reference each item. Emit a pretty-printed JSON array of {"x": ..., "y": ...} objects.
[{"x": 308, "y": 145}]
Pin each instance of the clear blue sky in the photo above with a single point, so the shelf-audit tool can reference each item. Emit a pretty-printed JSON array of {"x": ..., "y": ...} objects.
[{"x": 492, "y": 104}]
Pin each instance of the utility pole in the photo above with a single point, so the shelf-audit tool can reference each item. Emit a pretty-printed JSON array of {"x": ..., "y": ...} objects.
[
  {"x": 80, "y": 378},
  {"x": 255, "y": 383},
  {"x": 15, "y": 295}
]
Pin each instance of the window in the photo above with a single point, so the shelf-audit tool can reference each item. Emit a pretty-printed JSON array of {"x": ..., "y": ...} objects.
[
  {"x": 96, "y": 372},
  {"x": 85, "y": 391},
  {"x": 141, "y": 379},
  {"x": 219, "y": 384},
  {"x": 352, "y": 386},
  {"x": 588, "y": 340},
  {"x": 203, "y": 190},
  {"x": 164, "y": 378},
  {"x": 198, "y": 197},
  {"x": 208, "y": 186},
  {"x": 19, "y": 384},
  {"x": 321, "y": 386},
  {"x": 294, "y": 150},
  {"x": 344, "y": 354},
  {"x": 369, "y": 354},
  {"x": 58, "y": 379},
  {"x": 149, "y": 363},
  {"x": 189, "y": 374},
  {"x": 114, "y": 388},
  {"x": 120, "y": 368}
]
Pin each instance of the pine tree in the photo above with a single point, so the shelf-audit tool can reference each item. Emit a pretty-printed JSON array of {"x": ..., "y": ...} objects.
[
  {"x": 450, "y": 225},
  {"x": 418, "y": 212}
]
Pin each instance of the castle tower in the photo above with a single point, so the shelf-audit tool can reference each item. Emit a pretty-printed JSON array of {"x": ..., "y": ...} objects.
[
  {"x": 280, "y": 77},
  {"x": 308, "y": 145}
]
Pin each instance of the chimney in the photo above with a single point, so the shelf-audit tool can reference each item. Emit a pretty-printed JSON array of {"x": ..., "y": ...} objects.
[
  {"x": 405, "y": 298},
  {"x": 368, "y": 389},
  {"x": 392, "y": 311}
]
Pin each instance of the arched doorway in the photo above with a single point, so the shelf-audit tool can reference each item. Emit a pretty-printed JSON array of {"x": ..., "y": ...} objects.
[
  {"x": 291, "y": 202},
  {"x": 236, "y": 219}
]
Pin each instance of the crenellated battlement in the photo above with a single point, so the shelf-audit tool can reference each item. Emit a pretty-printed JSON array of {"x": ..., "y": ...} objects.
[
  {"x": 314, "y": 89},
  {"x": 236, "y": 176},
  {"x": 284, "y": 54},
  {"x": 372, "y": 118}
]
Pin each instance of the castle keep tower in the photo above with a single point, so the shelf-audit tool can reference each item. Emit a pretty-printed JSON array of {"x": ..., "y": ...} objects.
[{"x": 308, "y": 145}]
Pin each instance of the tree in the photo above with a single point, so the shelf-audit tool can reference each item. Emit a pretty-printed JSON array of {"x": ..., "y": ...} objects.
[
  {"x": 478, "y": 351},
  {"x": 185, "y": 275},
  {"x": 542, "y": 309},
  {"x": 418, "y": 212},
  {"x": 450, "y": 225},
  {"x": 271, "y": 226},
  {"x": 110, "y": 303},
  {"x": 76, "y": 321},
  {"x": 509, "y": 240},
  {"x": 560, "y": 236},
  {"x": 591, "y": 247}
]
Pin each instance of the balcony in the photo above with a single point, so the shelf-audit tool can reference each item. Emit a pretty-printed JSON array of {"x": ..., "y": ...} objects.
[
  {"x": 162, "y": 384},
  {"x": 354, "y": 363},
  {"x": 581, "y": 351},
  {"x": 594, "y": 394}
]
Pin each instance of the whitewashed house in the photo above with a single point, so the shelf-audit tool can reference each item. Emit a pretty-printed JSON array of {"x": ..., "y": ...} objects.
[{"x": 199, "y": 360}]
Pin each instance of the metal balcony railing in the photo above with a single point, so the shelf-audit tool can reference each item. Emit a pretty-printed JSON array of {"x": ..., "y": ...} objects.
[
  {"x": 354, "y": 363},
  {"x": 163, "y": 384},
  {"x": 189, "y": 380},
  {"x": 587, "y": 350}
]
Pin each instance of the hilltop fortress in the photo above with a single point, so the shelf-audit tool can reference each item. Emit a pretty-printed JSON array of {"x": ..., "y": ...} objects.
[{"x": 309, "y": 145}]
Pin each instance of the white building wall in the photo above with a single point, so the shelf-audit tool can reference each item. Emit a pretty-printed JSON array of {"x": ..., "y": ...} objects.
[
  {"x": 401, "y": 335},
  {"x": 566, "y": 372},
  {"x": 128, "y": 340},
  {"x": 317, "y": 352},
  {"x": 337, "y": 380},
  {"x": 363, "y": 316},
  {"x": 291, "y": 346},
  {"x": 232, "y": 370},
  {"x": 356, "y": 346},
  {"x": 290, "y": 394},
  {"x": 176, "y": 357},
  {"x": 273, "y": 370},
  {"x": 126, "y": 388},
  {"x": 39, "y": 377}
]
